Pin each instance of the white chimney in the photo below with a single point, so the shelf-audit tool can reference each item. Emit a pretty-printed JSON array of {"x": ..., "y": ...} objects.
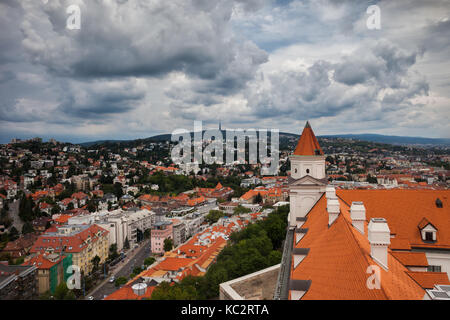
[
  {"x": 333, "y": 209},
  {"x": 379, "y": 238},
  {"x": 330, "y": 192},
  {"x": 358, "y": 215}
]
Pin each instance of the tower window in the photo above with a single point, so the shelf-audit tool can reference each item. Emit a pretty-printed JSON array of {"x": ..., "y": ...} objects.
[
  {"x": 307, "y": 171},
  {"x": 295, "y": 170}
]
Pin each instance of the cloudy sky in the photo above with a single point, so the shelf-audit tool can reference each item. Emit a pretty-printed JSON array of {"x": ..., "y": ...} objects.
[{"x": 136, "y": 68}]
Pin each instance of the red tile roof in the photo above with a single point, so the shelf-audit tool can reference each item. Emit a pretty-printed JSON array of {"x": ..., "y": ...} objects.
[
  {"x": 428, "y": 280},
  {"x": 411, "y": 259},
  {"x": 395, "y": 205},
  {"x": 399, "y": 244},
  {"x": 174, "y": 264},
  {"x": 74, "y": 243},
  {"x": 307, "y": 144},
  {"x": 41, "y": 261},
  {"x": 338, "y": 259},
  {"x": 127, "y": 293}
]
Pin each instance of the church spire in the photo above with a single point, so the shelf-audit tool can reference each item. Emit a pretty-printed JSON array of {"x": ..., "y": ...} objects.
[
  {"x": 307, "y": 125},
  {"x": 307, "y": 144}
]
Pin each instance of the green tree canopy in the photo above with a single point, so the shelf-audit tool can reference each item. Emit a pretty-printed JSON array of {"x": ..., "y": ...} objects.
[{"x": 168, "y": 244}]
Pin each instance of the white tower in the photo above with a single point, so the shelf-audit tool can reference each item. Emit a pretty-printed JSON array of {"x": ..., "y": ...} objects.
[{"x": 308, "y": 179}]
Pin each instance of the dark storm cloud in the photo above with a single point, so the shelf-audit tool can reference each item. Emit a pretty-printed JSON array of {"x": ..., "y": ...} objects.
[
  {"x": 135, "y": 38},
  {"x": 438, "y": 36},
  {"x": 141, "y": 64},
  {"x": 91, "y": 99}
]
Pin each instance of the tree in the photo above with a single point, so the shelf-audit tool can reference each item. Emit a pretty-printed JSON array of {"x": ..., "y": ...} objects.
[
  {"x": 274, "y": 257},
  {"x": 63, "y": 293},
  {"x": 118, "y": 190},
  {"x": 95, "y": 261},
  {"x": 137, "y": 270},
  {"x": 55, "y": 209},
  {"x": 168, "y": 244},
  {"x": 91, "y": 206},
  {"x": 26, "y": 208},
  {"x": 149, "y": 261},
  {"x": 27, "y": 228},
  {"x": 371, "y": 179},
  {"x": 13, "y": 234},
  {"x": 241, "y": 210},
  {"x": 120, "y": 281},
  {"x": 113, "y": 254},
  {"x": 213, "y": 216},
  {"x": 258, "y": 198},
  {"x": 126, "y": 244}
]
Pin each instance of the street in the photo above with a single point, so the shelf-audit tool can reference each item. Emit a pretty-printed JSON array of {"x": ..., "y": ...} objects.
[
  {"x": 135, "y": 258},
  {"x": 14, "y": 215}
]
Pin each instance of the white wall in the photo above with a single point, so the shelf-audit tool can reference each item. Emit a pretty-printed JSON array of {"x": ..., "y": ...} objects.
[
  {"x": 301, "y": 202},
  {"x": 439, "y": 259}
]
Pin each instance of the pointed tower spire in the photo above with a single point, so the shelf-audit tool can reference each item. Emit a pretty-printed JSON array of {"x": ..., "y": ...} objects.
[{"x": 307, "y": 144}]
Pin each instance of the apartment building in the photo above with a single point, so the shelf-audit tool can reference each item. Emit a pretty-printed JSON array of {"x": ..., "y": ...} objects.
[
  {"x": 84, "y": 242},
  {"x": 160, "y": 231}
]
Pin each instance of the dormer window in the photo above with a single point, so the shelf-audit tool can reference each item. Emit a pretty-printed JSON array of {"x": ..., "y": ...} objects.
[{"x": 428, "y": 231}]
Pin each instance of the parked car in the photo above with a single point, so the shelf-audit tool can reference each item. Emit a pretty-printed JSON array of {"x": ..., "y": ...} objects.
[
  {"x": 112, "y": 279},
  {"x": 90, "y": 298}
]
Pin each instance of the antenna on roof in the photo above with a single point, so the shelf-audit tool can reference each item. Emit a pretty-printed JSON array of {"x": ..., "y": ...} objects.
[{"x": 307, "y": 124}]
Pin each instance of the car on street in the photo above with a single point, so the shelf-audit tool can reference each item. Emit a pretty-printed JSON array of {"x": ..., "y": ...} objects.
[
  {"x": 112, "y": 279},
  {"x": 90, "y": 298}
]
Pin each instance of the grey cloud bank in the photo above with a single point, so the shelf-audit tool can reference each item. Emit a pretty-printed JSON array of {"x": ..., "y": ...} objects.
[{"x": 137, "y": 68}]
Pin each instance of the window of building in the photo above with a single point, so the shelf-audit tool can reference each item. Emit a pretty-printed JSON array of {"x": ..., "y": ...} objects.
[
  {"x": 429, "y": 236},
  {"x": 434, "y": 269},
  {"x": 307, "y": 171}
]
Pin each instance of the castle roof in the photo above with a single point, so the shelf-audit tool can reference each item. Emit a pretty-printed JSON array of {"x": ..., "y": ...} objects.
[{"x": 307, "y": 144}]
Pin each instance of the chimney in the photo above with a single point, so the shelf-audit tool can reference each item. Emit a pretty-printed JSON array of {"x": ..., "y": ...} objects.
[
  {"x": 358, "y": 215},
  {"x": 330, "y": 192},
  {"x": 333, "y": 210},
  {"x": 333, "y": 207},
  {"x": 379, "y": 238}
]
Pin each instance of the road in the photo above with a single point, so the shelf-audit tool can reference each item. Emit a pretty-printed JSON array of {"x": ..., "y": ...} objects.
[
  {"x": 14, "y": 215},
  {"x": 135, "y": 258}
]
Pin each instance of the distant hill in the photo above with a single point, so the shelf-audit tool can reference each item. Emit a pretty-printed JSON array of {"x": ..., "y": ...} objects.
[
  {"x": 399, "y": 140},
  {"x": 98, "y": 142},
  {"x": 392, "y": 139}
]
